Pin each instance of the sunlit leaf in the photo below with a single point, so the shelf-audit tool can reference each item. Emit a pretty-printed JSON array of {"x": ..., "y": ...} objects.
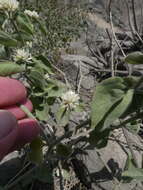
[
  {"x": 118, "y": 109},
  {"x": 43, "y": 113},
  {"x": 131, "y": 172},
  {"x": 10, "y": 68},
  {"x": 62, "y": 116},
  {"x": 107, "y": 93}
]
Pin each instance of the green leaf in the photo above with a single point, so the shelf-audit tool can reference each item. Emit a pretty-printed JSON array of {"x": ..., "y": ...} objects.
[
  {"x": 134, "y": 58},
  {"x": 46, "y": 62},
  {"x": 43, "y": 113},
  {"x": 131, "y": 172},
  {"x": 80, "y": 107},
  {"x": 136, "y": 105},
  {"x": 62, "y": 116},
  {"x": 37, "y": 78},
  {"x": 118, "y": 109},
  {"x": 107, "y": 93},
  {"x": 9, "y": 68},
  {"x": 44, "y": 174},
  {"x": 7, "y": 40},
  {"x": 39, "y": 64},
  {"x": 112, "y": 98},
  {"x": 63, "y": 150},
  {"x": 55, "y": 91},
  {"x": 25, "y": 36},
  {"x": 3, "y": 52},
  {"x": 99, "y": 139},
  {"x": 42, "y": 26},
  {"x": 36, "y": 153},
  {"x": 2, "y": 19},
  {"x": 25, "y": 24},
  {"x": 134, "y": 126}
]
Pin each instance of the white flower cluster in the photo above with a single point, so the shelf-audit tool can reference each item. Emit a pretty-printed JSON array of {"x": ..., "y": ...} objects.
[
  {"x": 31, "y": 13},
  {"x": 47, "y": 77},
  {"x": 9, "y": 5},
  {"x": 22, "y": 55},
  {"x": 29, "y": 44},
  {"x": 70, "y": 99}
]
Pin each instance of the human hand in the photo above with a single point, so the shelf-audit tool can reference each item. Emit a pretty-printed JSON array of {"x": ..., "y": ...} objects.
[{"x": 15, "y": 129}]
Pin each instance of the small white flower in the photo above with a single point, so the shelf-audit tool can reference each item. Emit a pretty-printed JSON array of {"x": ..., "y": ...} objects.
[
  {"x": 70, "y": 99},
  {"x": 31, "y": 13},
  {"x": 22, "y": 55},
  {"x": 47, "y": 77},
  {"x": 29, "y": 44},
  {"x": 9, "y": 5}
]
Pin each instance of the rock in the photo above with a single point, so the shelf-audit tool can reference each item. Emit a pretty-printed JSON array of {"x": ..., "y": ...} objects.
[
  {"x": 114, "y": 156},
  {"x": 88, "y": 82},
  {"x": 74, "y": 64}
]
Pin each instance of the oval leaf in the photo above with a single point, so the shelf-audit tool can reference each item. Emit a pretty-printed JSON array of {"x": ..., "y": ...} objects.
[
  {"x": 42, "y": 26},
  {"x": 7, "y": 69},
  {"x": 7, "y": 40},
  {"x": 63, "y": 150},
  {"x": 25, "y": 24},
  {"x": 134, "y": 58},
  {"x": 106, "y": 95},
  {"x": 119, "y": 109}
]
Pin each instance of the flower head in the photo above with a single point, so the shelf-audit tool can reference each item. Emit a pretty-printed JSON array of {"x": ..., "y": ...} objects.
[
  {"x": 29, "y": 44},
  {"x": 70, "y": 99},
  {"x": 9, "y": 5},
  {"x": 31, "y": 13},
  {"x": 47, "y": 77},
  {"x": 22, "y": 55}
]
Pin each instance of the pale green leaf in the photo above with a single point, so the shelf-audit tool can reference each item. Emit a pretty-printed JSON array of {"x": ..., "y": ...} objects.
[
  {"x": 10, "y": 68},
  {"x": 62, "y": 116},
  {"x": 131, "y": 172},
  {"x": 106, "y": 95},
  {"x": 119, "y": 108}
]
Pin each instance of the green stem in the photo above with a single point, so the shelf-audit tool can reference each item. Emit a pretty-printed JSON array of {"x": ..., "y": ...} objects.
[{"x": 26, "y": 110}]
